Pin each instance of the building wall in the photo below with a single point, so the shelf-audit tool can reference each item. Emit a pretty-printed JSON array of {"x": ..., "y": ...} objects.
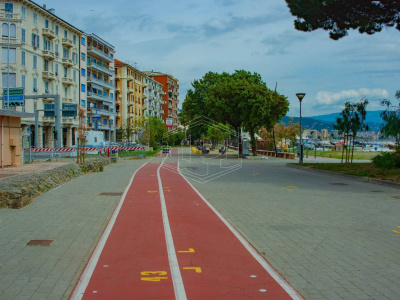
[
  {"x": 153, "y": 101},
  {"x": 10, "y": 151},
  {"x": 39, "y": 67}
]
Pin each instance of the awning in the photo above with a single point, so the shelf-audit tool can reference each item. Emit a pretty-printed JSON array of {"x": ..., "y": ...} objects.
[{"x": 97, "y": 87}]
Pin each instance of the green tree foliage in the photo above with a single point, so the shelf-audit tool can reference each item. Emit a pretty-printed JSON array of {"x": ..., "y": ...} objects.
[
  {"x": 218, "y": 133},
  {"x": 156, "y": 130},
  {"x": 352, "y": 120},
  {"x": 391, "y": 117},
  {"x": 240, "y": 99},
  {"x": 339, "y": 16}
]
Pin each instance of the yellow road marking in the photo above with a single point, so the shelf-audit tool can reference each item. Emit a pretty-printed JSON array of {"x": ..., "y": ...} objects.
[
  {"x": 153, "y": 272},
  {"x": 255, "y": 174},
  {"x": 395, "y": 231},
  {"x": 152, "y": 191},
  {"x": 197, "y": 269},
  {"x": 191, "y": 250},
  {"x": 290, "y": 188},
  {"x": 157, "y": 279}
]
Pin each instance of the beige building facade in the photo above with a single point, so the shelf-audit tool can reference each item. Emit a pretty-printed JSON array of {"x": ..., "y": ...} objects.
[{"x": 43, "y": 56}]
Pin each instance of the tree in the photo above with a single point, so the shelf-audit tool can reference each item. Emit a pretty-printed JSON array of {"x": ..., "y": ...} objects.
[
  {"x": 217, "y": 133},
  {"x": 351, "y": 120},
  {"x": 391, "y": 116},
  {"x": 338, "y": 16},
  {"x": 157, "y": 130}
]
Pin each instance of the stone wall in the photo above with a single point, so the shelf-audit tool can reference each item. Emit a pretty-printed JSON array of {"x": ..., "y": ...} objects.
[{"x": 18, "y": 192}]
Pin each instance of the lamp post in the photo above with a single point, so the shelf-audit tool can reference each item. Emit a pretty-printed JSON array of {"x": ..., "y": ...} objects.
[
  {"x": 300, "y": 96},
  {"x": 8, "y": 56}
]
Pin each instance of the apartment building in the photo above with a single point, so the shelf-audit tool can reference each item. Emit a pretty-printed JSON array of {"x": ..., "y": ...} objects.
[
  {"x": 130, "y": 93},
  {"x": 100, "y": 89},
  {"x": 170, "y": 88},
  {"x": 43, "y": 59},
  {"x": 154, "y": 101}
]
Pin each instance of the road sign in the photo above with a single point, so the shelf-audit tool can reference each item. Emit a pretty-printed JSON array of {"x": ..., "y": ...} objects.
[
  {"x": 69, "y": 110},
  {"x": 169, "y": 122},
  {"x": 16, "y": 96},
  {"x": 96, "y": 117}
]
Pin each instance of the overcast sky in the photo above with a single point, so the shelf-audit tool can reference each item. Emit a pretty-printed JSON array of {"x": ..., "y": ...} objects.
[{"x": 189, "y": 38}]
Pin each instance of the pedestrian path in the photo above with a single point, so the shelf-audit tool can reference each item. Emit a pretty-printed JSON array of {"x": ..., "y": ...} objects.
[{"x": 165, "y": 241}]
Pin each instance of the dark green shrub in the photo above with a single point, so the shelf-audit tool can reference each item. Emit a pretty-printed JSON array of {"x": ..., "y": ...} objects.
[
  {"x": 397, "y": 157},
  {"x": 384, "y": 160}
]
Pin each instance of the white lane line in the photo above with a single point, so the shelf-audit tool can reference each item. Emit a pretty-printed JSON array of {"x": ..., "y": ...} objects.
[
  {"x": 88, "y": 272},
  {"x": 271, "y": 271},
  {"x": 179, "y": 288}
]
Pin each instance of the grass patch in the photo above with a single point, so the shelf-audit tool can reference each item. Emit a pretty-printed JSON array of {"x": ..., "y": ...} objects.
[
  {"x": 152, "y": 153},
  {"x": 359, "y": 169},
  {"x": 363, "y": 155}
]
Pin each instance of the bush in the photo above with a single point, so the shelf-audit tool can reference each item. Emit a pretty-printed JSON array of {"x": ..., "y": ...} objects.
[
  {"x": 397, "y": 157},
  {"x": 385, "y": 160}
]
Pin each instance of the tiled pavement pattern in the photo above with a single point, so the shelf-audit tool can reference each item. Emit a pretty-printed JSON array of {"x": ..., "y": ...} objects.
[
  {"x": 330, "y": 241},
  {"x": 74, "y": 216}
]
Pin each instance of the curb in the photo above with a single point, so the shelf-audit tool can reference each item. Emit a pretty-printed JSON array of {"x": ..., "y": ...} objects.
[{"x": 351, "y": 177}]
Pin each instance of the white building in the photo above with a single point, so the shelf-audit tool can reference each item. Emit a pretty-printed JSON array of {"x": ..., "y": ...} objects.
[
  {"x": 153, "y": 100},
  {"x": 43, "y": 59}
]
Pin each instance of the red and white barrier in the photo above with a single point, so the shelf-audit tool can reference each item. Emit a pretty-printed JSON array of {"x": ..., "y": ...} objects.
[{"x": 69, "y": 149}]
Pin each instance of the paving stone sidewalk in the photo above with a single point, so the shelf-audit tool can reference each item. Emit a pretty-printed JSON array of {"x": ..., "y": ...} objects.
[
  {"x": 330, "y": 237},
  {"x": 74, "y": 216}
]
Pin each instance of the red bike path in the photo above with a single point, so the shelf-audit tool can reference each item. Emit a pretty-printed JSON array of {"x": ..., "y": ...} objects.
[{"x": 212, "y": 263}]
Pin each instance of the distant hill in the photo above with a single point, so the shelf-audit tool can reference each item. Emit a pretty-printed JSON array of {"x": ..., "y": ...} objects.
[{"x": 326, "y": 121}]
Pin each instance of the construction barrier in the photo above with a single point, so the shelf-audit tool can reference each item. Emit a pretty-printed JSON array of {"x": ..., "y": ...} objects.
[{"x": 70, "y": 149}]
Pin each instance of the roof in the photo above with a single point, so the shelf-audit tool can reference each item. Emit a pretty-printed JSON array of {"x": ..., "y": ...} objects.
[{"x": 13, "y": 113}]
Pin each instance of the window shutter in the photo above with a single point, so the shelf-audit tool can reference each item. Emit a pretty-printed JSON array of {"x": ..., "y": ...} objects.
[
  {"x": 13, "y": 56},
  {"x": 33, "y": 39},
  {"x": 13, "y": 31},
  {"x": 37, "y": 41}
]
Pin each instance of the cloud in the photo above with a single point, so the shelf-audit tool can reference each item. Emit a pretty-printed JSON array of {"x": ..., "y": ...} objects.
[{"x": 330, "y": 98}]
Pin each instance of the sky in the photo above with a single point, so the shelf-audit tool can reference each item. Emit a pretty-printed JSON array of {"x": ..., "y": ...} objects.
[{"x": 189, "y": 38}]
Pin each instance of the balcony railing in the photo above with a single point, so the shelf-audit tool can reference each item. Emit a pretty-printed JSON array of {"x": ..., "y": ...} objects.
[
  {"x": 67, "y": 43},
  {"x": 100, "y": 97},
  {"x": 13, "y": 41},
  {"x": 67, "y": 81},
  {"x": 67, "y": 62},
  {"x": 101, "y": 68},
  {"x": 12, "y": 17},
  {"x": 47, "y": 75},
  {"x": 67, "y": 100},
  {"x": 98, "y": 52},
  {"x": 130, "y": 90},
  {"x": 109, "y": 84},
  {"x": 48, "y": 33},
  {"x": 48, "y": 54}
]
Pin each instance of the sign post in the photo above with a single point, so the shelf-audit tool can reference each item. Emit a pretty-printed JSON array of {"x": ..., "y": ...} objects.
[{"x": 17, "y": 97}]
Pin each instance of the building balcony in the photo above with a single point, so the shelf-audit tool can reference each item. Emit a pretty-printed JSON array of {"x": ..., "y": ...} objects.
[
  {"x": 130, "y": 90},
  {"x": 46, "y": 32},
  {"x": 67, "y": 62},
  {"x": 131, "y": 103},
  {"x": 48, "y": 120},
  {"x": 118, "y": 89},
  {"x": 67, "y": 100},
  {"x": 48, "y": 54},
  {"x": 118, "y": 114},
  {"x": 144, "y": 107},
  {"x": 67, "y": 43},
  {"x": 47, "y": 75},
  {"x": 12, "y": 17},
  {"x": 162, "y": 111},
  {"x": 130, "y": 78},
  {"x": 99, "y": 53},
  {"x": 101, "y": 112},
  {"x": 68, "y": 120},
  {"x": 131, "y": 115},
  {"x": 101, "y": 68},
  {"x": 13, "y": 42},
  {"x": 100, "y": 97},
  {"x": 67, "y": 81},
  {"x": 104, "y": 83}
]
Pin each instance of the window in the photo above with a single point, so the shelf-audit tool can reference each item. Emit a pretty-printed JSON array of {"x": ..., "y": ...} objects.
[
  {"x": 23, "y": 58},
  {"x": 23, "y": 78},
  {"x": 9, "y": 81},
  {"x": 13, "y": 30},
  {"x": 23, "y": 35},
  {"x": 56, "y": 48},
  {"x": 74, "y": 75},
  {"x": 65, "y": 92},
  {"x": 35, "y": 18},
  {"x": 65, "y": 72},
  {"x": 12, "y": 57},
  {"x": 83, "y": 103},
  {"x": 56, "y": 88},
  {"x": 9, "y": 7},
  {"x": 46, "y": 65},
  {"x": 104, "y": 121},
  {"x": 56, "y": 68},
  {"x": 65, "y": 53},
  {"x": 83, "y": 88},
  {"x": 34, "y": 62},
  {"x": 111, "y": 55},
  {"x": 35, "y": 40},
  {"x": 88, "y": 119},
  {"x": 111, "y": 96},
  {"x": 46, "y": 24},
  {"x": 46, "y": 44},
  {"x": 56, "y": 30},
  {"x": 83, "y": 41},
  {"x": 35, "y": 89},
  {"x": 83, "y": 56},
  {"x": 111, "y": 122},
  {"x": 46, "y": 87},
  {"x": 74, "y": 39},
  {"x": 23, "y": 12},
  {"x": 83, "y": 72},
  {"x": 65, "y": 34}
]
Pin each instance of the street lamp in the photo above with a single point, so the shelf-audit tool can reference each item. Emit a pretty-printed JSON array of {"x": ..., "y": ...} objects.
[{"x": 300, "y": 96}]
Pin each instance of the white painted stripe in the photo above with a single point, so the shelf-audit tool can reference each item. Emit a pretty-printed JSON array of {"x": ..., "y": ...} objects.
[
  {"x": 271, "y": 271},
  {"x": 179, "y": 288},
  {"x": 88, "y": 272}
]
